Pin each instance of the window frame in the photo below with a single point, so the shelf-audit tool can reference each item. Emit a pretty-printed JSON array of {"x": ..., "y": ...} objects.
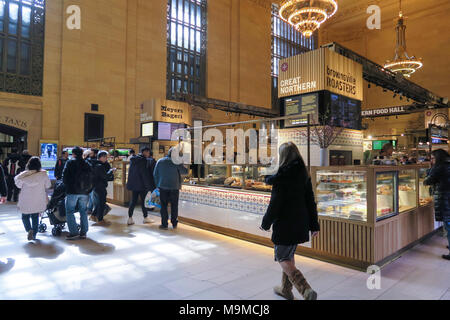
[{"x": 191, "y": 62}]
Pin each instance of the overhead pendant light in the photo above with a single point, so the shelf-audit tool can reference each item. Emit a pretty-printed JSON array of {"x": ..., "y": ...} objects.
[
  {"x": 402, "y": 63},
  {"x": 306, "y": 16}
]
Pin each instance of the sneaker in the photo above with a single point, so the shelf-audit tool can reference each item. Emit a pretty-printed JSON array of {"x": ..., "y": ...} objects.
[
  {"x": 30, "y": 235},
  {"x": 163, "y": 227},
  {"x": 93, "y": 218},
  {"x": 148, "y": 220},
  {"x": 82, "y": 236},
  {"x": 310, "y": 294},
  {"x": 107, "y": 210},
  {"x": 174, "y": 226},
  {"x": 103, "y": 223},
  {"x": 73, "y": 237},
  {"x": 130, "y": 221}
]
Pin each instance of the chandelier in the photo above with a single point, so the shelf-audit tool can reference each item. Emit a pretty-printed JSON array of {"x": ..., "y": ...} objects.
[
  {"x": 403, "y": 63},
  {"x": 307, "y": 15}
]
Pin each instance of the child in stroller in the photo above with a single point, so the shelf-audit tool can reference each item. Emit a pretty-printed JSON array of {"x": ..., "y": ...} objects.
[{"x": 56, "y": 210}]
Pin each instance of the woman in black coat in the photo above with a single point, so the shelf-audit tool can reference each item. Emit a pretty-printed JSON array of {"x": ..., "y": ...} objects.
[
  {"x": 292, "y": 213},
  {"x": 439, "y": 178}
]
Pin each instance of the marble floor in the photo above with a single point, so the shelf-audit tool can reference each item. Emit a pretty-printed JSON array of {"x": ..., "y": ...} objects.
[{"x": 143, "y": 262}]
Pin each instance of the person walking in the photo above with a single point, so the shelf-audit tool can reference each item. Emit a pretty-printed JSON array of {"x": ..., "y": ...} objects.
[
  {"x": 168, "y": 179},
  {"x": 23, "y": 160},
  {"x": 59, "y": 167},
  {"x": 11, "y": 165},
  {"x": 3, "y": 186},
  {"x": 33, "y": 198},
  {"x": 78, "y": 181},
  {"x": 102, "y": 174},
  {"x": 139, "y": 183},
  {"x": 292, "y": 214},
  {"x": 132, "y": 153},
  {"x": 151, "y": 164},
  {"x": 439, "y": 178}
]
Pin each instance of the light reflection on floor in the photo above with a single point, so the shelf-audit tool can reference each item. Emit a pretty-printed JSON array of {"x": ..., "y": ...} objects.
[{"x": 143, "y": 262}]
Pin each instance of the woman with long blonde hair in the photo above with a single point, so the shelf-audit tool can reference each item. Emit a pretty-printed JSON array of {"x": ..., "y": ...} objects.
[{"x": 292, "y": 214}]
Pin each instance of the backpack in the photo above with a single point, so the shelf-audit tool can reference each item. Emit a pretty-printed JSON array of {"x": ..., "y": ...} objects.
[{"x": 85, "y": 178}]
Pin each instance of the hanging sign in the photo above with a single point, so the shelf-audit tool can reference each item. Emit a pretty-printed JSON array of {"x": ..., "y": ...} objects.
[{"x": 385, "y": 112}]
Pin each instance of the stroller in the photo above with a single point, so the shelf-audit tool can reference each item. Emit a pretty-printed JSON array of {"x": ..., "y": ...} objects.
[{"x": 56, "y": 211}]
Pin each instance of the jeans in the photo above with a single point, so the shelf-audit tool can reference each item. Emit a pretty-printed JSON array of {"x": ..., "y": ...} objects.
[
  {"x": 35, "y": 222},
  {"x": 101, "y": 204},
  {"x": 93, "y": 201},
  {"x": 134, "y": 200},
  {"x": 74, "y": 203},
  {"x": 166, "y": 197}
]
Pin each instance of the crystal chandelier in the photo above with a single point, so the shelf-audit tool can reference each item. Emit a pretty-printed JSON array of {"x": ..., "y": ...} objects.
[
  {"x": 307, "y": 15},
  {"x": 403, "y": 63}
]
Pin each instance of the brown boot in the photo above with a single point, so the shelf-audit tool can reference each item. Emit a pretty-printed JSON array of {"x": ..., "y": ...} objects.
[
  {"x": 299, "y": 281},
  {"x": 285, "y": 290}
]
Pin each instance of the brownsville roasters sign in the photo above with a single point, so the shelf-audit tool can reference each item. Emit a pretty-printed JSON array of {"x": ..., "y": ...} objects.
[{"x": 319, "y": 70}]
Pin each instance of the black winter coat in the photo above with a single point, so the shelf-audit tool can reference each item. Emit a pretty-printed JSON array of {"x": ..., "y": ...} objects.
[
  {"x": 439, "y": 178},
  {"x": 151, "y": 164},
  {"x": 23, "y": 161},
  {"x": 3, "y": 186},
  {"x": 292, "y": 209},
  {"x": 59, "y": 168},
  {"x": 102, "y": 174},
  {"x": 11, "y": 163},
  {"x": 78, "y": 177},
  {"x": 138, "y": 174}
]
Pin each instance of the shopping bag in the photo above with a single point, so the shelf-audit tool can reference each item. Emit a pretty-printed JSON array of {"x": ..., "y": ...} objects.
[{"x": 152, "y": 200}]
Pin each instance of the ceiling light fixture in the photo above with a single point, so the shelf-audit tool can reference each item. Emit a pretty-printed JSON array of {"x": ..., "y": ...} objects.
[{"x": 307, "y": 16}]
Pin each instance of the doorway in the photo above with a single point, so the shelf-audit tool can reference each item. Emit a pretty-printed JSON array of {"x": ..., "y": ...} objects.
[{"x": 11, "y": 138}]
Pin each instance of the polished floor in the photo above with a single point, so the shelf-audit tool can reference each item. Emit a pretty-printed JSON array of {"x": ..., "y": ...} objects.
[{"x": 142, "y": 262}]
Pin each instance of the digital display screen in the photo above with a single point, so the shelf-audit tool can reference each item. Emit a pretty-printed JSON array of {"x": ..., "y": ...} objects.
[
  {"x": 165, "y": 129},
  {"x": 147, "y": 129},
  {"x": 302, "y": 106},
  {"x": 49, "y": 155},
  {"x": 345, "y": 112},
  {"x": 378, "y": 144}
]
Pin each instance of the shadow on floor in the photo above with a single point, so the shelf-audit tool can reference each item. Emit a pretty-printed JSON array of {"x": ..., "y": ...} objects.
[
  {"x": 40, "y": 249},
  {"x": 92, "y": 247},
  {"x": 5, "y": 267}
]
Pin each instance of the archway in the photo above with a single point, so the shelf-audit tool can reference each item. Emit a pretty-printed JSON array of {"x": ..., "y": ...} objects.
[{"x": 11, "y": 137}]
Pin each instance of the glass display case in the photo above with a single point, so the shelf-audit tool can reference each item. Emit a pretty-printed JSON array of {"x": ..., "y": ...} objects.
[
  {"x": 407, "y": 192},
  {"x": 386, "y": 203},
  {"x": 342, "y": 194},
  {"x": 231, "y": 176},
  {"x": 425, "y": 196}
]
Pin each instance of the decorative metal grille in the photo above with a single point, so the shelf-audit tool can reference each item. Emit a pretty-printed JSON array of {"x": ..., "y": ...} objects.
[
  {"x": 286, "y": 42},
  {"x": 22, "y": 31},
  {"x": 186, "y": 47}
]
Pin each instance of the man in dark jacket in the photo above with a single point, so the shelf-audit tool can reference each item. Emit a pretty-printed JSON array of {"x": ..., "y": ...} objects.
[
  {"x": 151, "y": 164},
  {"x": 60, "y": 165},
  {"x": 3, "y": 186},
  {"x": 12, "y": 168},
  {"x": 78, "y": 180},
  {"x": 168, "y": 179},
  {"x": 139, "y": 183},
  {"x": 102, "y": 174},
  {"x": 23, "y": 160}
]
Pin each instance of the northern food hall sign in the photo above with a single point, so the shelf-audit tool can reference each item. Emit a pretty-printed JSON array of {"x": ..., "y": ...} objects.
[{"x": 319, "y": 70}]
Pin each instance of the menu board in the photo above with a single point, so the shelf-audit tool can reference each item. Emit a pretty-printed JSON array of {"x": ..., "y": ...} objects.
[
  {"x": 165, "y": 129},
  {"x": 49, "y": 155},
  {"x": 302, "y": 106}
]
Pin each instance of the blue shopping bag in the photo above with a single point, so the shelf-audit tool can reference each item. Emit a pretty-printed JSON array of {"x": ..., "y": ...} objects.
[{"x": 154, "y": 200}]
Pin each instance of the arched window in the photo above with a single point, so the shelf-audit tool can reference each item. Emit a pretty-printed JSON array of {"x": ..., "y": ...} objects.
[
  {"x": 286, "y": 42},
  {"x": 186, "y": 48},
  {"x": 22, "y": 25}
]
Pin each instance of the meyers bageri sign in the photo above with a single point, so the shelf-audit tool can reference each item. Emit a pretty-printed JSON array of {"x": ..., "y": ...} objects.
[{"x": 384, "y": 112}]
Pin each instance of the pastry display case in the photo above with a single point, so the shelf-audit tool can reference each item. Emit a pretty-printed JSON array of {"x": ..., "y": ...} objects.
[
  {"x": 251, "y": 177},
  {"x": 386, "y": 199},
  {"x": 407, "y": 190},
  {"x": 425, "y": 196},
  {"x": 117, "y": 189},
  {"x": 342, "y": 194}
]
